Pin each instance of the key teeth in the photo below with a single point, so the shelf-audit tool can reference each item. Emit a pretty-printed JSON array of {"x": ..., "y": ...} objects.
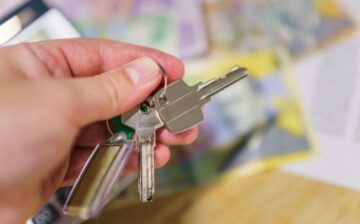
[
  {"x": 237, "y": 67},
  {"x": 148, "y": 196},
  {"x": 146, "y": 199},
  {"x": 210, "y": 88},
  {"x": 146, "y": 188}
]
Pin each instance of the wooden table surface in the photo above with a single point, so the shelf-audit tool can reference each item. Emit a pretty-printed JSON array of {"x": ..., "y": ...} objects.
[{"x": 268, "y": 198}]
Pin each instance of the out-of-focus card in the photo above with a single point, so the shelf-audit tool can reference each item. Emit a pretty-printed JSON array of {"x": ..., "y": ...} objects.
[
  {"x": 329, "y": 88},
  {"x": 14, "y": 22},
  {"x": 252, "y": 25},
  {"x": 34, "y": 21},
  {"x": 173, "y": 26}
]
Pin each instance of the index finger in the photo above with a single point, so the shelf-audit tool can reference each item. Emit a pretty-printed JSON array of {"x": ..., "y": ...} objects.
[{"x": 88, "y": 57}]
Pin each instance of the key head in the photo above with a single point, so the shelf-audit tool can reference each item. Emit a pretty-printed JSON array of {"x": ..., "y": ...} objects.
[
  {"x": 143, "y": 118},
  {"x": 180, "y": 110}
]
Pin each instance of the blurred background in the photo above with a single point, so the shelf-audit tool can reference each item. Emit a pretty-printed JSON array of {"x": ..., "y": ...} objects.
[{"x": 298, "y": 111}]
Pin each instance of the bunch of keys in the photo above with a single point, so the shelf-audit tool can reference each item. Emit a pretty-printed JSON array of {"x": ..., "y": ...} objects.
[{"x": 177, "y": 107}]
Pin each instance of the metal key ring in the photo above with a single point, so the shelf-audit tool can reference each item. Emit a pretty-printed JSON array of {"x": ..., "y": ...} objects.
[
  {"x": 109, "y": 128},
  {"x": 163, "y": 73}
]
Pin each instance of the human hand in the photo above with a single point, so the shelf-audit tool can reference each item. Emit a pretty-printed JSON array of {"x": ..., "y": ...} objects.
[{"x": 54, "y": 96}]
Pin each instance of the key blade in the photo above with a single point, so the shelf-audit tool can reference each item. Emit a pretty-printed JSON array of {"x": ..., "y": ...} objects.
[
  {"x": 210, "y": 88},
  {"x": 146, "y": 184},
  {"x": 145, "y": 142},
  {"x": 145, "y": 120}
]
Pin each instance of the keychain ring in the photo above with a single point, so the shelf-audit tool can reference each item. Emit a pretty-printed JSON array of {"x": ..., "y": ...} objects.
[
  {"x": 163, "y": 73},
  {"x": 109, "y": 128}
]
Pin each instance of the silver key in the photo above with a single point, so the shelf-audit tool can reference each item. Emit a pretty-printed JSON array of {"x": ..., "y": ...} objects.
[
  {"x": 145, "y": 120},
  {"x": 178, "y": 108},
  {"x": 182, "y": 108}
]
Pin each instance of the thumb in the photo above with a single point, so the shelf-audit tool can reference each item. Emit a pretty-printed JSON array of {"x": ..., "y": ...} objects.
[{"x": 114, "y": 92}]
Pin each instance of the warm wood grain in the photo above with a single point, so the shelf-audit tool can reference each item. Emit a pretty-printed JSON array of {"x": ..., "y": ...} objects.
[{"x": 270, "y": 198}]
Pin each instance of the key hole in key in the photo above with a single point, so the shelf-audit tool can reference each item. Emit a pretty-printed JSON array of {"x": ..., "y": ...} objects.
[
  {"x": 145, "y": 107},
  {"x": 162, "y": 100}
]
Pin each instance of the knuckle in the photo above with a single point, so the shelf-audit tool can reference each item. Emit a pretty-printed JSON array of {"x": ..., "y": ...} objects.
[
  {"x": 110, "y": 87},
  {"x": 64, "y": 101},
  {"x": 190, "y": 136}
]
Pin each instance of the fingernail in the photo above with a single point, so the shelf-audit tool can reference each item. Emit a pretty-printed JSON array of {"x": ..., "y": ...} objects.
[{"x": 142, "y": 70}]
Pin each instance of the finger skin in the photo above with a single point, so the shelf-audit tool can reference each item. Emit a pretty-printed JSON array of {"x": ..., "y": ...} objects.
[
  {"x": 162, "y": 153},
  {"x": 161, "y": 157},
  {"x": 109, "y": 94},
  {"x": 184, "y": 138},
  {"x": 92, "y": 134},
  {"x": 79, "y": 157},
  {"x": 98, "y": 132},
  {"x": 83, "y": 57}
]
